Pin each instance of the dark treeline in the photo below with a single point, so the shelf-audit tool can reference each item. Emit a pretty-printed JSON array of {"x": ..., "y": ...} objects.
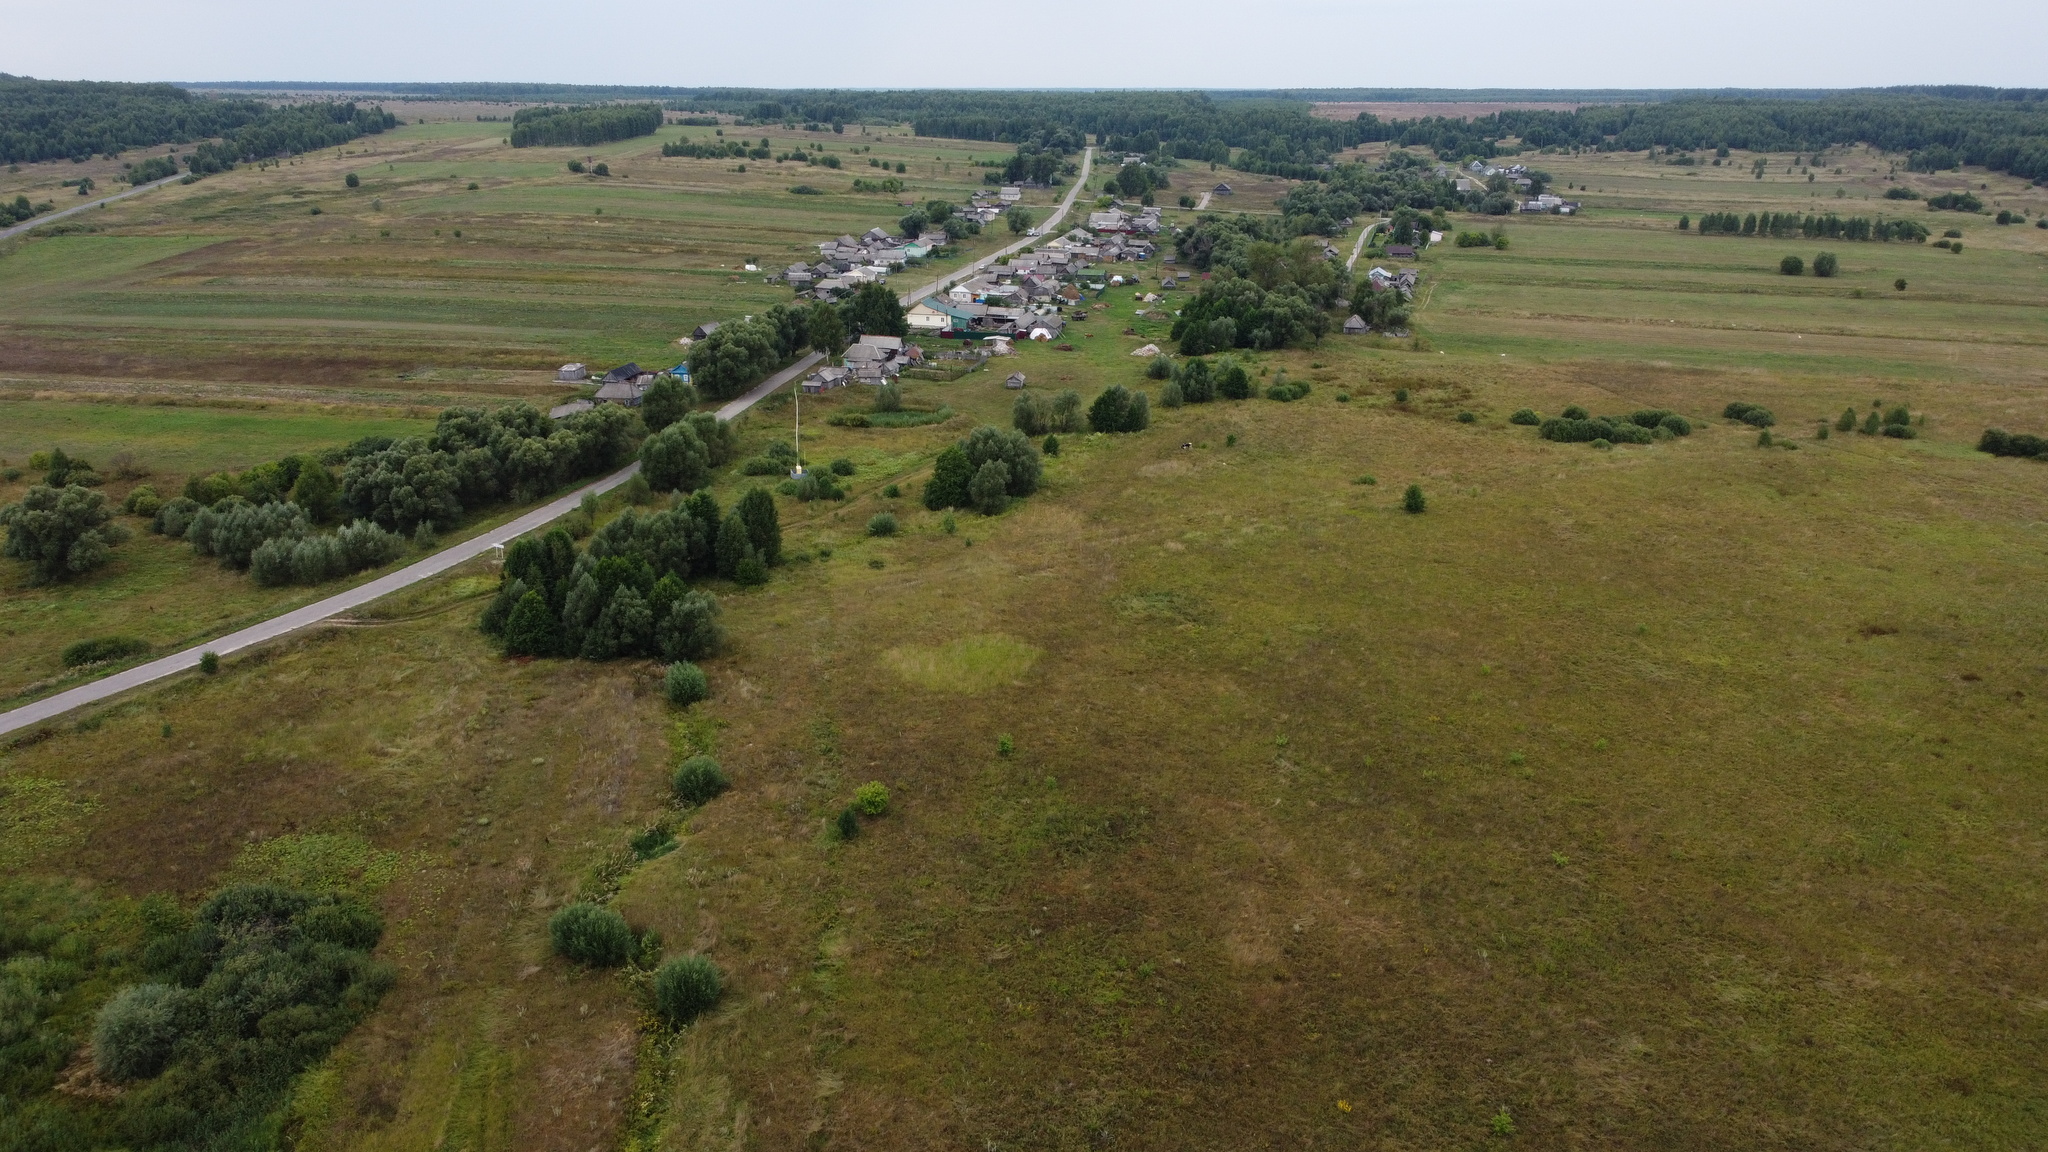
[
  {"x": 2005, "y": 130},
  {"x": 583, "y": 126},
  {"x": 1828, "y": 226},
  {"x": 56, "y": 120},
  {"x": 50, "y": 120},
  {"x": 290, "y": 131}
]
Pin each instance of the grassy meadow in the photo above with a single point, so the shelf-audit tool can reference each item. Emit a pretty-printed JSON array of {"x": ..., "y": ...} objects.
[{"x": 1669, "y": 796}]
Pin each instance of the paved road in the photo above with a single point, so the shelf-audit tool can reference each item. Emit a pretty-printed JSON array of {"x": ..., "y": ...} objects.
[
  {"x": 39, "y": 221},
  {"x": 1204, "y": 201},
  {"x": 1362, "y": 238},
  {"x": 450, "y": 556},
  {"x": 319, "y": 610},
  {"x": 1045, "y": 232}
]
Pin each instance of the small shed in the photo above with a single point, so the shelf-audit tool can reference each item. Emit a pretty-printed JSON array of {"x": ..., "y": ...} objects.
[
  {"x": 1222, "y": 190},
  {"x": 1401, "y": 251},
  {"x": 564, "y": 411},
  {"x": 571, "y": 374},
  {"x": 1016, "y": 380},
  {"x": 703, "y": 330},
  {"x": 1356, "y": 326}
]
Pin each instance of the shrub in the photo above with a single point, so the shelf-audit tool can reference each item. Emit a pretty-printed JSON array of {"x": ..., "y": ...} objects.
[
  {"x": 1825, "y": 264},
  {"x": 1118, "y": 409},
  {"x": 105, "y": 648},
  {"x": 882, "y": 524},
  {"x": 1676, "y": 425},
  {"x": 1466, "y": 418},
  {"x": 1052, "y": 445},
  {"x": 1400, "y": 395},
  {"x": 1602, "y": 444},
  {"x": 352, "y": 180},
  {"x": 1900, "y": 431},
  {"x": 848, "y": 823},
  {"x": 697, "y": 781},
  {"x": 1566, "y": 430},
  {"x": 209, "y": 662},
  {"x": 872, "y": 798},
  {"x": 1898, "y": 415},
  {"x": 1847, "y": 422},
  {"x": 1763, "y": 438},
  {"x": 134, "y": 1034},
  {"x": 891, "y": 491},
  {"x": 1871, "y": 424},
  {"x": 842, "y": 467},
  {"x": 1232, "y": 381},
  {"x": 1525, "y": 416},
  {"x": 1412, "y": 501},
  {"x": 143, "y": 501},
  {"x": 888, "y": 398},
  {"x": 1160, "y": 368},
  {"x": 1170, "y": 396},
  {"x": 751, "y": 571},
  {"x": 1792, "y": 266},
  {"x": 591, "y": 934},
  {"x": 1754, "y": 415},
  {"x": 1999, "y": 442},
  {"x": 685, "y": 683},
  {"x": 1823, "y": 431},
  {"x": 1574, "y": 412},
  {"x": 686, "y": 987}
]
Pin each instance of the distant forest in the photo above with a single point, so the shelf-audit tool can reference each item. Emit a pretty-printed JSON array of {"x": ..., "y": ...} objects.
[
  {"x": 585, "y": 125},
  {"x": 1937, "y": 126},
  {"x": 56, "y": 120},
  {"x": 2005, "y": 130}
]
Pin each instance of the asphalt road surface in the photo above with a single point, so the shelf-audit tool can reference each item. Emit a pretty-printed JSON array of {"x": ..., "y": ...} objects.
[
  {"x": 54, "y": 706},
  {"x": 277, "y": 626},
  {"x": 39, "y": 221}
]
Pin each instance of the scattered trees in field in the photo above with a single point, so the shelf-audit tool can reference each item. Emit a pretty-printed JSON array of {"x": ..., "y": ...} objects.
[
  {"x": 1575, "y": 426},
  {"x": 1955, "y": 202},
  {"x": 1754, "y": 415}
]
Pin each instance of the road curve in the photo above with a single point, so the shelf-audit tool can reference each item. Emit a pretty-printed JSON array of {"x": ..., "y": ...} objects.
[
  {"x": 39, "y": 221},
  {"x": 277, "y": 626},
  {"x": 1363, "y": 238},
  {"x": 1045, "y": 230}
]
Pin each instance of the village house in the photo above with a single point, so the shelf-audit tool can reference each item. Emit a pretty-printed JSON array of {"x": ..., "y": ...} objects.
[
  {"x": 830, "y": 376},
  {"x": 1356, "y": 326},
  {"x": 564, "y": 411},
  {"x": 703, "y": 330}
]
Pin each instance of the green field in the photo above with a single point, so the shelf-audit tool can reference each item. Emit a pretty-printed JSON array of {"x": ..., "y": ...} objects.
[
  {"x": 1682, "y": 795},
  {"x": 235, "y": 282}
]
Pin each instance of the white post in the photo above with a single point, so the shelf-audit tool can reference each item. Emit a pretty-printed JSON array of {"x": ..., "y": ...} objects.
[{"x": 799, "y": 469}]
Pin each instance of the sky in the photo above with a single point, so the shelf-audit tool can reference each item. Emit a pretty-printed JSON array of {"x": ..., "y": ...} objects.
[{"x": 1130, "y": 44}]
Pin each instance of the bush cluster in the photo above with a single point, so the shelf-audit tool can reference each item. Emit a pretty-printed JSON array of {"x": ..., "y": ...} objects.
[
  {"x": 60, "y": 532},
  {"x": 1118, "y": 409},
  {"x": 1639, "y": 427},
  {"x": 627, "y": 594},
  {"x": 254, "y": 989},
  {"x": 1034, "y": 415},
  {"x": 985, "y": 471},
  {"x": 1999, "y": 442},
  {"x": 1525, "y": 416},
  {"x": 101, "y": 649},
  {"x": 1285, "y": 390},
  {"x": 1754, "y": 415}
]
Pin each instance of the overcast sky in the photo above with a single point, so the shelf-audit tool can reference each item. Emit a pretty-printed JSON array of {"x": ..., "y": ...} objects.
[{"x": 1136, "y": 44}]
